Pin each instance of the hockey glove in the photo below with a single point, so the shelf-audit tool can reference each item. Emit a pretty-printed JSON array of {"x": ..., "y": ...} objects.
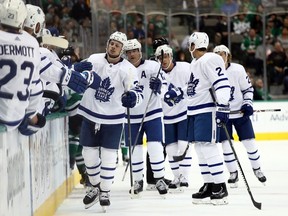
[
  {"x": 247, "y": 109},
  {"x": 92, "y": 78},
  {"x": 27, "y": 129},
  {"x": 66, "y": 60},
  {"x": 222, "y": 114},
  {"x": 129, "y": 99},
  {"x": 82, "y": 66},
  {"x": 173, "y": 96},
  {"x": 155, "y": 84},
  {"x": 77, "y": 82}
]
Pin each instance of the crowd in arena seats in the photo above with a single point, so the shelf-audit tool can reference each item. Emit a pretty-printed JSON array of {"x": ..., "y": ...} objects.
[{"x": 246, "y": 25}]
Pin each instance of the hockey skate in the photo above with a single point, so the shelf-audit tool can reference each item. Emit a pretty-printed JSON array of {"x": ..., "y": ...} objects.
[
  {"x": 162, "y": 187},
  {"x": 91, "y": 197},
  {"x": 104, "y": 200},
  {"x": 259, "y": 174},
  {"x": 203, "y": 196},
  {"x": 233, "y": 179},
  {"x": 152, "y": 186},
  {"x": 138, "y": 188},
  {"x": 178, "y": 185},
  {"x": 219, "y": 194}
]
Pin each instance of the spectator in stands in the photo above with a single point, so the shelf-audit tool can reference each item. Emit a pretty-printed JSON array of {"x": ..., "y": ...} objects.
[
  {"x": 262, "y": 52},
  {"x": 80, "y": 10},
  {"x": 249, "y": 46},
  {"x": 229, "y": 7},
  {"x": 259, "y": 92},
  {"x": 222, "y": 29},
  {"x": 139, "y": 32},
  {"x": 257, "y": 24},
  {"x": 241, "y": 25},
  {"x": 283, "y": 38},
  {"x": 276, "y": 62}
]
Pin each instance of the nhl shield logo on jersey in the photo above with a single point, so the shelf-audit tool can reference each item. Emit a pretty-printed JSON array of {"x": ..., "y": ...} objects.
[
  {"x": 192, "y": 84},
  {"x": 104, "y": 91}
]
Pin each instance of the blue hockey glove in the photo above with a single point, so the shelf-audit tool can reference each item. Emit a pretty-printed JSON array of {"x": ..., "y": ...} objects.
[
  {"x": 129, "y": 99},
  {"x": 247, "y": 110},
  {"x": 155, "y": 84},
  {"x": 92, "y": 78},
  {"x": 77, "y": 82},
  {"x": 66, "y": 60},
  {"x": 27, "y": 129},
  {"x": 82, "y": 66},
  {"x": 222, "y": 114},
  {"x": 173, "y": 96}
]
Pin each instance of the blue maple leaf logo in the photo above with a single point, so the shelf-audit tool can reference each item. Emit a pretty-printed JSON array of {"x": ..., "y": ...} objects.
[
  {"x": 105, "y": 90},
  {"x": 192, "y": 84},
  {"x": 232, "y": 93}
]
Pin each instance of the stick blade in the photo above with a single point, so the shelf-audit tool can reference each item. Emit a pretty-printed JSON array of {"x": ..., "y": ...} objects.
[
  {"x": 257, "y": 205},
  {"x": 178, "y": 158},
  {"x": 55, "y": 41}
]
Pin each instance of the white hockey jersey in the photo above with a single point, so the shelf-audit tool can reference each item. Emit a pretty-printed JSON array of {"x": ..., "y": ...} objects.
[
  {"x": 178, "y": 77},
  {"x": 241, "y": 88},
  {"x": 145, "y": 71},
  {"x": 104, "y": 105},
  {"x": 207, "y": 72},
  {"x": 19, "y": 74}
]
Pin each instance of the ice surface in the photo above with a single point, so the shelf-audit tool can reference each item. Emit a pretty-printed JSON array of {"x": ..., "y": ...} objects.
[{"x": 273, "y": 196}]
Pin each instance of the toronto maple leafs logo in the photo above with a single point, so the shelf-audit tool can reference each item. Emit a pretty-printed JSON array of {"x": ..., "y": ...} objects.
[
  {"x": 232, "y": 93},
  {"x": 105, "y": 90},
  {"x": 192, "y": 84}
]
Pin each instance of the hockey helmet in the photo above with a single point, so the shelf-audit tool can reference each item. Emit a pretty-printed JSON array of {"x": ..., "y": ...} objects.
[
  {"x": 221, "y": 48},
  {"x": 13, "y": 13},
  {"x": 118, "y": 36},
  {"x": 159, "y": 42},
  {"x": 132, "y": 44},
  {"x": 166, "y": 50},
  {"x": 199, "y": 39},
  {"x": 35, "y": 15}
]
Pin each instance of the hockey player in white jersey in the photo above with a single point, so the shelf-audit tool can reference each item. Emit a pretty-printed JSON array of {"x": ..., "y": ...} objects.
[
  {"x": 150, "y": 78},
  {"x": 240, "y": 99},
  {"x": 50, "y": 71},
  {"x": 104, "y": 116},
  {"x": 174, "y": 106},
  {"x": 205, "y": 118},
  {"x": 19, "y": 76}
]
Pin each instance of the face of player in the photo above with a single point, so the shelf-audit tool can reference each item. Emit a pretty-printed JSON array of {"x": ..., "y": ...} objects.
[
  {"x": 114, "y": 49},
  {"x": 166, "y": 61},
  {"x": 134, "y": 56}
]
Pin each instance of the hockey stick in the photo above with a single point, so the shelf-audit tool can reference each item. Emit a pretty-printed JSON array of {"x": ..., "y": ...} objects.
[
  {"x": 54, "y": 41},
  {"x": 256, "y": 204},
  {"x": 130, "y": 152},
  {"x": 143, "y": 118},
  {"x": 178, "y": 158},
  {"x": 261, "y": 110}
]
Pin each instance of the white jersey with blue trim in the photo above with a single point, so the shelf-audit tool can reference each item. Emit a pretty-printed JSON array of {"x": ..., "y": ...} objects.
[
  {"x": 207, "y": 72},
  {"x": 241, "y": 87},
  {"x": 145, "y": 71},
  {"x": 104, "y": 105},
  {"x": 178, "y": 77},
  {"x": 51, "y": 69},
  {"x": 19, "y": 75}
]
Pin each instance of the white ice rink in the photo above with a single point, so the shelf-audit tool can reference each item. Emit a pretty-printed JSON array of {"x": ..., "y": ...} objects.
[{"x": 273, "y": 196}]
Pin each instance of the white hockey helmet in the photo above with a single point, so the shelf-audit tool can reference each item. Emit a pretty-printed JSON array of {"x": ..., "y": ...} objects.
[
  {"x": 118, "y": 36},
  {"x": 35, "y": 15},
  {"x": 199, "y": 39},
  {"x": 221, "y": 48},
  {"x": 13, "y": 13},
  {"x": 132, "y": 44},
  {"x": 166, "y": 50}
]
